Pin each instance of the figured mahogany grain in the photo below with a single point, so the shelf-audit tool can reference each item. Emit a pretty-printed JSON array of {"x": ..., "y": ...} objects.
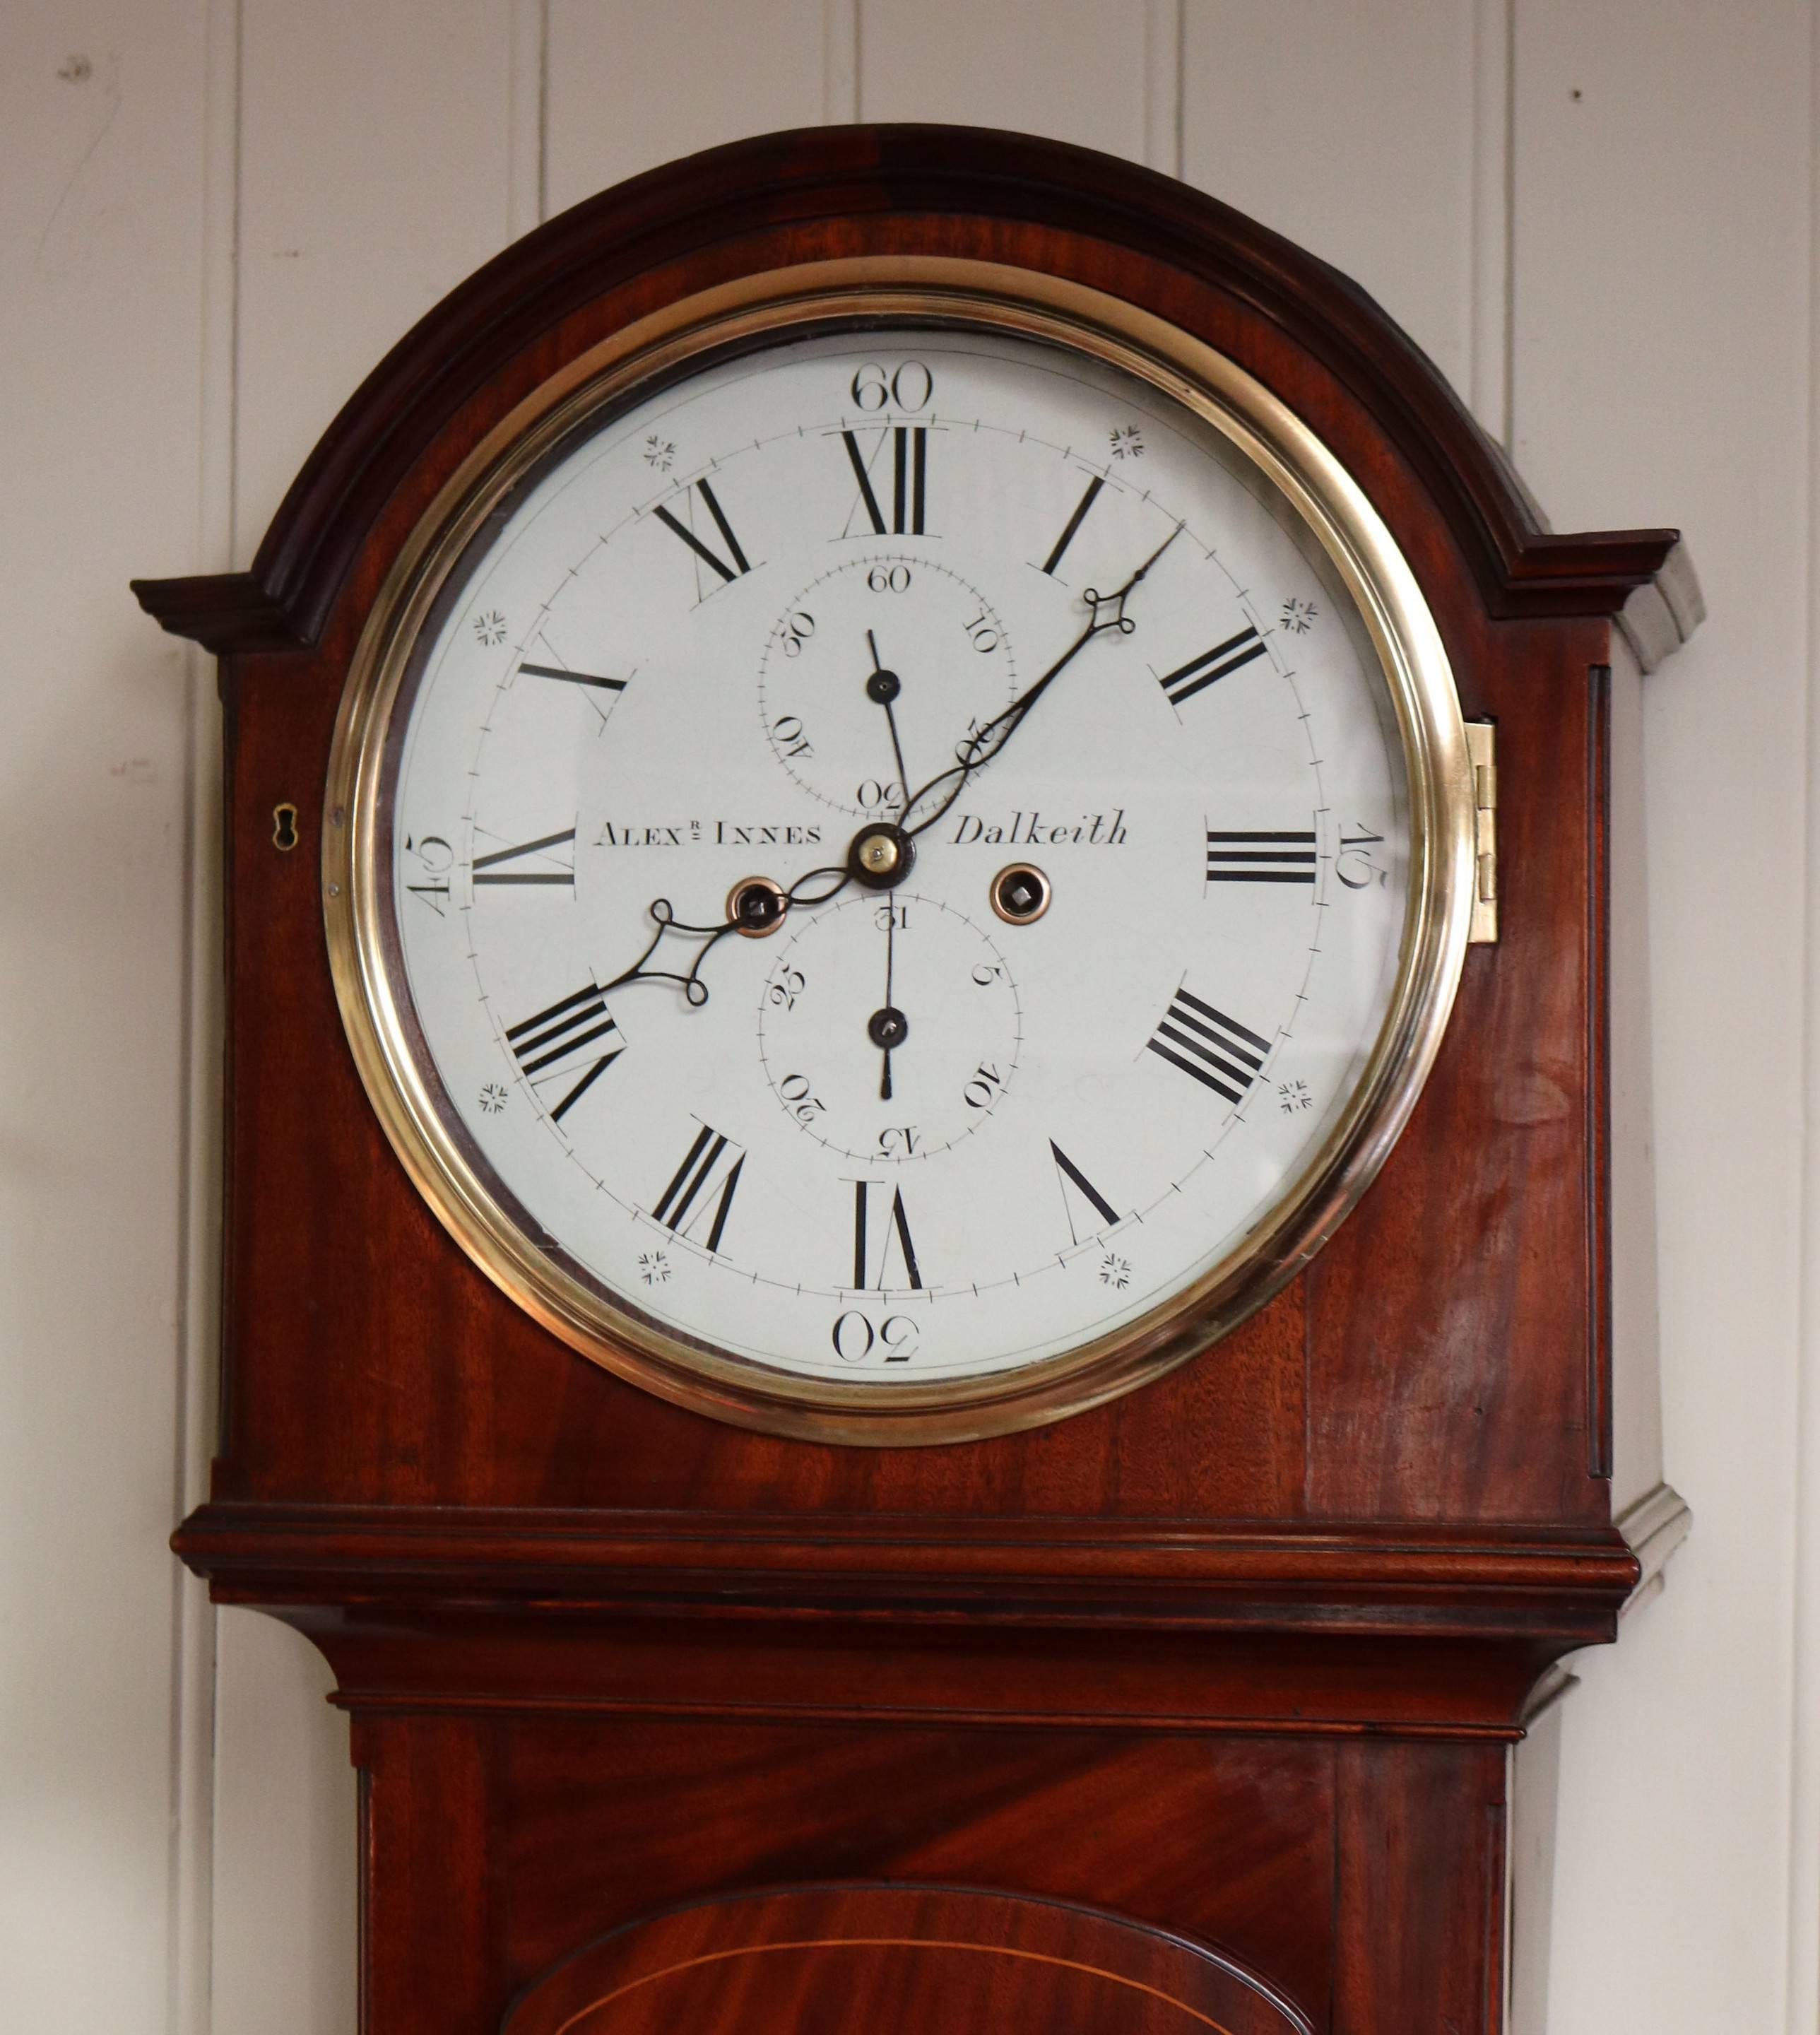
[{"x": 1420, "y": 1836}]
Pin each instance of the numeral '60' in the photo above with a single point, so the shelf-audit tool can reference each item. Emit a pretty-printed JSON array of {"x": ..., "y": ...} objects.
[{"x": 908, "y": 387}]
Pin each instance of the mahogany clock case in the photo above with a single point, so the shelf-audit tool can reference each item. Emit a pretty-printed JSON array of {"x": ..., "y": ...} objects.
[{"x": 1238, "y": 1655}]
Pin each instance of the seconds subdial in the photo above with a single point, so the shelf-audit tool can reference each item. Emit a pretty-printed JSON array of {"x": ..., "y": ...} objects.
[
  {"x": 890, "y": 1027},
  {"x": 880, "y": 667}
]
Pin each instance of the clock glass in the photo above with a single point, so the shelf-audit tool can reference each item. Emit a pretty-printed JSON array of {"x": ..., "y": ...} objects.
[{"x": 899, "y": 867}]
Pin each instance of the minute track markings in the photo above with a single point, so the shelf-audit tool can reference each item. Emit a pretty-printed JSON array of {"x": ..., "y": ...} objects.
[
  {"x": 541, "y": 1043},
  {"x": 896, "y": 1223},
  {"x": 694, "y": 1181},
  {"x": 1073, "y": 524},
  {"x": 1221, "y": 662},
  {"x": 484, "y": 871},
  {"x": 1067, "y": 1173},
  {"x": 1260, "y": 858},
  {"x": 1219, "y": 1052},
  {"x": 573, "y": 678},
  {"x": 706, "y": 552},
  {"x": 909, "y": 480}
]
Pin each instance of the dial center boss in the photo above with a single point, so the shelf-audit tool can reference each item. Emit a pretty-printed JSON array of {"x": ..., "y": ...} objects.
[{"x": 881, "y": 856}]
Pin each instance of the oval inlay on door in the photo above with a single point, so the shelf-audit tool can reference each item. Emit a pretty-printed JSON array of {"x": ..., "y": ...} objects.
[{"x": 861, "y": 1960}]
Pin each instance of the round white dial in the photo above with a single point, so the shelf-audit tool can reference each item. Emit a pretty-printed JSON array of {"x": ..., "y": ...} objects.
[{"x": 857, "y": 624}]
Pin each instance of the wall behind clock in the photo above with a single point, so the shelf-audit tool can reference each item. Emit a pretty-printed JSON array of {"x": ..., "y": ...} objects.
[{"x": 215, "y": 214}]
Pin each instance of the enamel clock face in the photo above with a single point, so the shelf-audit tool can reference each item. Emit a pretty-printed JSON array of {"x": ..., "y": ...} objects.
[{"x": 895, "y": 874}]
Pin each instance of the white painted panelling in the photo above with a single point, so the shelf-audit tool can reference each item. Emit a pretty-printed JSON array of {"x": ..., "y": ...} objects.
[
  {"x": 1073, "y": 68},
  {"x": 1488, "y": 388},
  {"x": 286, "y": 1839},
  {"x": 1163, "y": 30},
  {"x": 1351, "y": 129},
  {"x": 100, "y": 271},
  {"x": 376, "y": 170},
  {"x": 1661, "y": 373},
  {"x": 840, "y": 60},
  {"x": 1643, "y": 318},
  {"x": 632, "y": 85},
  {"x": 1803, "y": 1891},
  {"x": 1533, "y": 1773},
  {"x": 530, "y": 32}
]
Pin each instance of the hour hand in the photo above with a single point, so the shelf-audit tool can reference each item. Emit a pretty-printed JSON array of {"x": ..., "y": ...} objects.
[{"x": 756, "y": 906}]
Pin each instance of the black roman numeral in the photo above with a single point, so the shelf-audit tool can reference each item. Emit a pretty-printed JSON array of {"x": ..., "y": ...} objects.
[
  {"x": 1073, "y": 524},
  {"x": 706, "y": 1166},
  {"x": 545, "y": 1045},
  {"x": 909, "y": 480},
  {"x": 1217, "y": 1050},
  {"x": 896, "y": 1227},
  {"x": 574, "y": 678},
  {"x": 706, "y": 552},
  {"x": 487, "y": 869},
  {"x": 1069, "y": 1175},
  {"x": 1221, "y": 662},
  {"x": 1260, "y": 858}
]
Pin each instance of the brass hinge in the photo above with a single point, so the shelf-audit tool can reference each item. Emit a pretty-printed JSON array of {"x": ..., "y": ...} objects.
[{"x": 1481, "y": 749}]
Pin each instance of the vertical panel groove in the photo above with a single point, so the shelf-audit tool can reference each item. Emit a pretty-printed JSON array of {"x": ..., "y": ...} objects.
[
  {"x": 543, "y": 109},
  {"x": 1507, "y": 423},
  {"x": 1082, "y": 75},
  {"x": 232, "y": 12},
  {"x": 1493, "y": 211},
  {"x": 1360, "y": 132},
  {"x": 188, "y": 2004},
  {"x": 1163, "y": 35},
  {"x": 840, "y": 61},
  {"x": 630, "y": 88},
  {"x": 1803, "y": 1982},
  {"x": 526, "y": 154}
]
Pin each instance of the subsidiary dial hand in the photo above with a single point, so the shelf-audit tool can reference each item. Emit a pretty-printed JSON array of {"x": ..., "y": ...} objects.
[
  {"x": 884, "y": 686},
  {"x": 1108, "y": 613},
  {"x": 888, "y": 1028}
]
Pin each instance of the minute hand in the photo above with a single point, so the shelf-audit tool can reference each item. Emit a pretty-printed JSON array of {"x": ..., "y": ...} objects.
[{"x": 1108, "y": 612}]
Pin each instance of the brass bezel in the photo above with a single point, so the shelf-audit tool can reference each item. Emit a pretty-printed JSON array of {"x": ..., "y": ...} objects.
[{"x": 800, "y": 300}]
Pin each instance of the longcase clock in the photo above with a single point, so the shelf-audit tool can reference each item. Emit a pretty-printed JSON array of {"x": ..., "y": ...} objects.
[{"x": 918, "y": 1256}]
